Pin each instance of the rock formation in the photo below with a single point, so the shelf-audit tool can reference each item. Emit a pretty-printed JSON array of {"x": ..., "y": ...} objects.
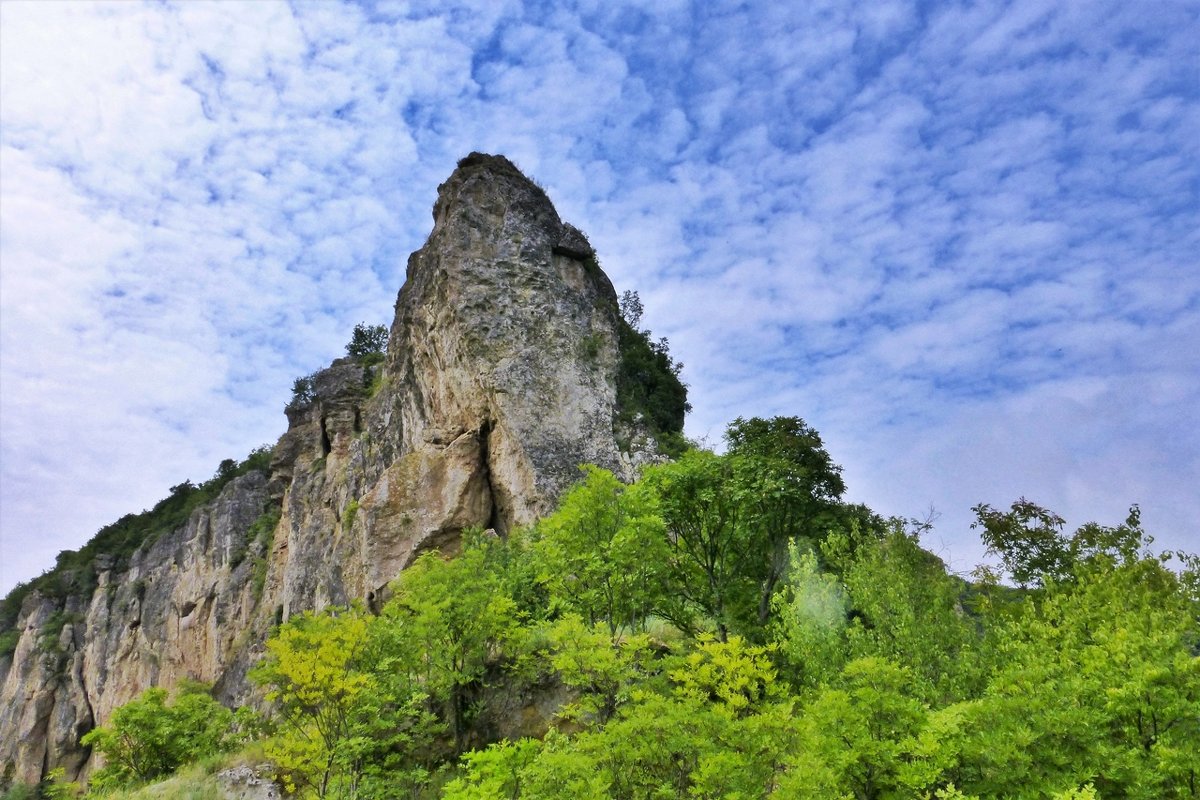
[{"x": 499, "y": 380}]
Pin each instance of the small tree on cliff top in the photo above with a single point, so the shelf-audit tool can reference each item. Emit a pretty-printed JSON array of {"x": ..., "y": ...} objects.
[{"x": 367, "y": 342}]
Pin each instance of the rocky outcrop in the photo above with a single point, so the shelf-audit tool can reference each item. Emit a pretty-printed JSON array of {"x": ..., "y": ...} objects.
[
  {"x": 499, "y": 380},
  {"x": 249, "y": 783}
]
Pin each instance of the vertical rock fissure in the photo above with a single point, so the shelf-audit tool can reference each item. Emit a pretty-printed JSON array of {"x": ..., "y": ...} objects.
[
  {"x": 495, "y": 517},
  {"x": 89, "y": 722},
  {"x": 326, "y": 444}
]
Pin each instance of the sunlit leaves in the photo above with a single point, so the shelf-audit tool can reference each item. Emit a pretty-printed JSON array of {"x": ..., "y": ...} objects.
[
  {"x": 604, "y": 551},
  {"x": 153, "y": 735}
]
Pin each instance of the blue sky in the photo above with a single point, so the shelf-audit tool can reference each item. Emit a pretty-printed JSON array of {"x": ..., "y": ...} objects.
[{"x": 960, "y": 240}]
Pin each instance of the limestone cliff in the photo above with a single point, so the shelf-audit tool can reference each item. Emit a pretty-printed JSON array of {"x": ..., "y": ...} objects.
[{"x": 499, "y": 380}]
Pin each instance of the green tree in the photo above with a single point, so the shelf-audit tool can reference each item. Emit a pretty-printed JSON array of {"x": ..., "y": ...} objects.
[
  {"x": 1027, "y": 538},
  {"x": 1095, "y": 682},
  {"x": 304, "y": 391},
  {"x": 731, "y": 518},
  {"x": 314, "y": 675},
  {"x": 55, "y": 786},
  {"x": 790, "y": 488},
  {"x": 906, "y": 607},
  {"x": 149, "y": 737},
  {"x": 858, "y": 736},
  {"x": 448, "y": 619},
  {"x": 648, "y": 384},
  {"x": 810, "y": 621},
  {"x": 367, "y": 343},
  {"x": 735, "y": 677},
  {"x": 707, "y": 537},
  {"x": 602, "y": 670},
  {"x": 494, "y": 773},
  {"x": 603, "y": 552},
  {"x": 353, "y": 721}
]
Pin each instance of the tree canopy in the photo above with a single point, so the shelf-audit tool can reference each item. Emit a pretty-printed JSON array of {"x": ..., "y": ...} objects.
[{"x": 619, "y": 648}]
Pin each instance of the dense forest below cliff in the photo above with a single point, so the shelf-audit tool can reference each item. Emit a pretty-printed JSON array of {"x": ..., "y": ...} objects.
[{"x": 726, "y": 627}]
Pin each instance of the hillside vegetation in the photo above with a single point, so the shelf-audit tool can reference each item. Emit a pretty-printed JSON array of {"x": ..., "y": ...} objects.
[{"x": 728, "y": 627}]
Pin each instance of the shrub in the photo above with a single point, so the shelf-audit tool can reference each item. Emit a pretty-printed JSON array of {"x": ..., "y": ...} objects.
[
  {"x": 149, "y": 737},
  {"x": 8, "y": 642},
  {"x": 348, "y": 515}
]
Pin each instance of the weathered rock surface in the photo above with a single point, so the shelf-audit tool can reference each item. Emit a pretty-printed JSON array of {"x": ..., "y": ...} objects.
[
  {"x": 249, "y": 783},
  {"x": 499, "y": 381},
  {"x": 177, "y": 611}
]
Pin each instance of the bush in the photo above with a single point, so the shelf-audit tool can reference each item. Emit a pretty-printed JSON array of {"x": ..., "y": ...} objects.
[
  {"x": 648, "y": 383},
  {"x": 149, "y": 737},
  {"x": 348, "y": 515},
  {"x": 259, "y": 534},
  {"x": 20, "y": 791},
  {"x": 8, "y": 642}
]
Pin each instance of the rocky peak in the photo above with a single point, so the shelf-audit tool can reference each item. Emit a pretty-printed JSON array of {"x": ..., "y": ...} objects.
[
  {"x": 500, "y": 379},
  {"x": 506, "y": 326}
]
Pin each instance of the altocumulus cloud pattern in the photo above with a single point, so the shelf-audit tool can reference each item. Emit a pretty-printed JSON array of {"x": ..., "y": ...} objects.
[{"x": 958, "y": 239}]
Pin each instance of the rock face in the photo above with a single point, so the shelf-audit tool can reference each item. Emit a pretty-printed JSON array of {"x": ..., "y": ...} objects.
[
  {"x": 499, "y": 380},
  {"x": 177, "y": 611}
]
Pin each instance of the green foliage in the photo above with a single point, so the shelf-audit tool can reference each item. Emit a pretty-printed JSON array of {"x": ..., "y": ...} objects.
[
  {"x": 363, "y": 700},
  {"x": 708, "y": 540},
  {"x": 873, "y": 677},
  {"x": 857, "y": 736},
  {"x": 376, "y": 380},
  {"x": 603, "y": 552},
  {"x": 494, "y": 773},
  {"x": 8, "y": 642},
  {"x": 810, "y": 621},
  {"x": 149, "y": 737},
  {"x": 20, "y": 791},
  {"x": 349, "y": 514},
  {"x": 447, "y": 618},
  {"x": 589, "y": 346},
  {"x": 648, "y": 382},
  {"x": 55, "y": 786},
  {"x": 1028, "y": 539},
  {"x": 1033, "y": 549},
  {"x": 712, "y": 731},
  {"x": 367, "y": 343},
  {"x": 789, "y": 489},
  {"x": 731, "y": 519},
  {"x": 816, "y": 651},
  {"x": 735, "y": 677},
  {"x": 602, "y": 670},
  {"x": 1096, "y": 682},
  {"x": 303, "y": 391},
  {"x": 52, "y": 628},
  {"x": 54, "y": 656},
  {"x": 906, "y": 608},
  {"x": 631, "y": 308},
  {"x": 312, "y": 675},
  {"x": 191, "y": 783},
  {"x": 258, "y": 536}
]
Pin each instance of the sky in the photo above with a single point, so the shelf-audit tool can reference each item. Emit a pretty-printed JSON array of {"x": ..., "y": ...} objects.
[{"x": 961, "y": 240}]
